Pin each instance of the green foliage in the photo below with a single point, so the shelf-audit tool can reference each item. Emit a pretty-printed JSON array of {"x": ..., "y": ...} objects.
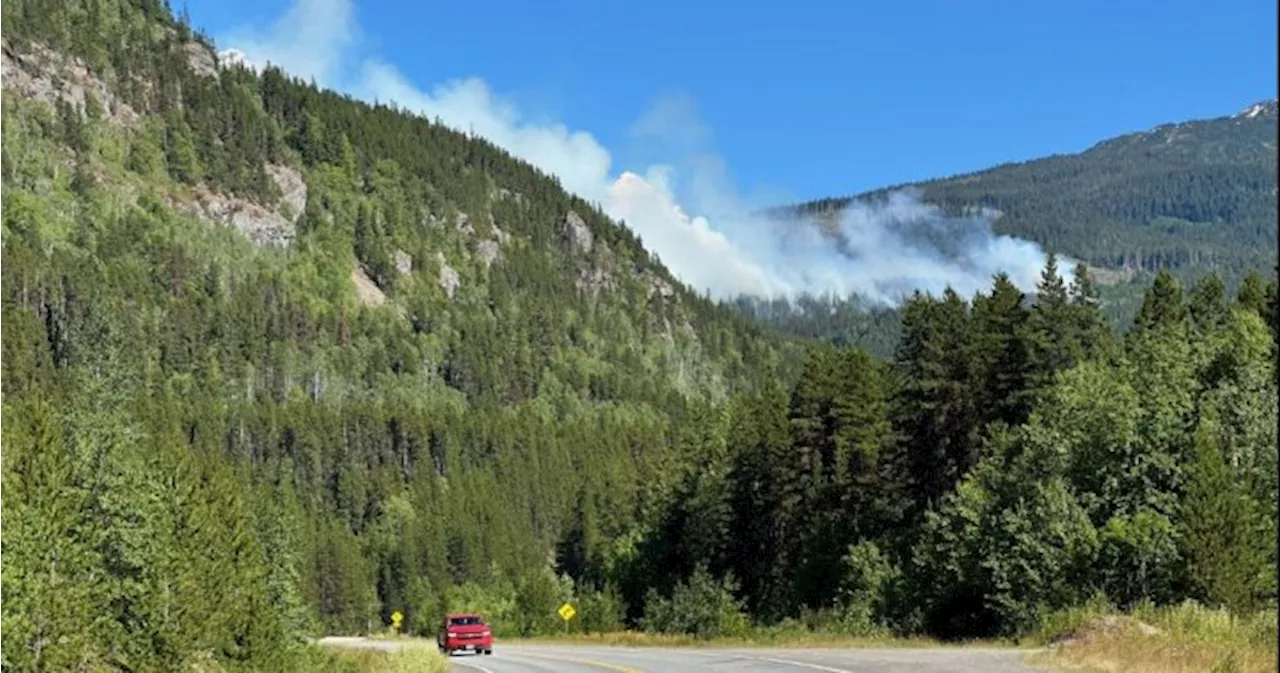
[
  {"x": 701, "y": 606},
  {"x": 1231, "y": 552},
  {"x": 1140, "y": 559},
  {"x": 214, "y": 450},
  {"x": 1010, "y": 542},
  {"x": 539, "y": 594},
  {"x": 864, "y": 590},
  {"x": 600, "y": 611}
]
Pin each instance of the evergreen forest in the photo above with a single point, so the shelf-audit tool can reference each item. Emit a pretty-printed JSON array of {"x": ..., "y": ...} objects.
[{"x": 278, "y": 363}]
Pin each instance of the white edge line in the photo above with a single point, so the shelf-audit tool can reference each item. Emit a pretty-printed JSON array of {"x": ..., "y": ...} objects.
[
  {"x": 468, "y": 664},
  {"x": 800, "y": 664}
]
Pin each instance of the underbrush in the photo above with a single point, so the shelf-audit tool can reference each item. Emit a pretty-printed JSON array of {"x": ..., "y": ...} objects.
[{"x": 1174, "y": 639}]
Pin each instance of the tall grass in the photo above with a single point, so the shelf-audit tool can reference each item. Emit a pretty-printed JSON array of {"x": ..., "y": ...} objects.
[
  {"x": 1173, "y": 639},
  {"x": 406, "y": 660}
]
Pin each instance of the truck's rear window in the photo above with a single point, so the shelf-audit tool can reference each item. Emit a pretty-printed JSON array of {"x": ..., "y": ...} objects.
[{"x": 465, "y": 621}]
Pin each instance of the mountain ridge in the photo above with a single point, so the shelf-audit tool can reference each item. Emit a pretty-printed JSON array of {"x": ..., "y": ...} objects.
[
  {"x": 278, "y": 363},
  {"x": 1191, "y": 196}
]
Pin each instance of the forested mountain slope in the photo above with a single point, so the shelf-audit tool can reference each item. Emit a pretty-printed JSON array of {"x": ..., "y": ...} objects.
[
  {"x": 358, "y": 356},
  {"x": 1194, "y": 197},
  {"x": 1197, "y": 196},
  {"x": 279, "y": 363}
]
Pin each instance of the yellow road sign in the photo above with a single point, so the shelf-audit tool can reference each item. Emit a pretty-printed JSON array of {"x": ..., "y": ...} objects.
[
  {"x": 566, "y": 612},
  {"x": 396, "y": 618}
]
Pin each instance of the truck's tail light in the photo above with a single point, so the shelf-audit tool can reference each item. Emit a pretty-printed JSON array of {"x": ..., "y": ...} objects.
[{"x": 485, "y": 633}]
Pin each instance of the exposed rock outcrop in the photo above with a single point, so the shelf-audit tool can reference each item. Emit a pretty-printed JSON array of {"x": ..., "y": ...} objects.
[
  {"x": 42, "y": 74},
  {"x": 463, "y": 224},
  {"x": 201, "y": 59},
  {"x": 403, "y": 262},
  {"x": 660, "y": 287},
  {"x": 449, "y": 279},
  {"x": 367, "y": 290},
  {"x": 487, "y": 252},
  {"x": 594, "y": 280},
  {"x": 502, "y": 236},
  {"x": 262, "y": 226},
  {"x": 293, "y": 189},
  {"x": 579, "y": 233},
  {"x": 504, "y": 194},
  {"x": 1109, "y": 626}
]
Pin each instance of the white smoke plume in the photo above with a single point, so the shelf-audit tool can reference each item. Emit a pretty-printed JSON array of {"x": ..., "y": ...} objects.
[{"x": 717, "y": 244}]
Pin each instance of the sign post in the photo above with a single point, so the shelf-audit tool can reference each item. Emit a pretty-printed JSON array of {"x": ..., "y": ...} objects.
[
  {"x": 396, "y": 618},
  {"x": 566, "y": 613}
]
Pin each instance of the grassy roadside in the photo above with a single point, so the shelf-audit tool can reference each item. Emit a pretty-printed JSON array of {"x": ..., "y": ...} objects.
[
  {"x": 1090, "y": 639},
  {"x": 761, "y": 639},
  {"x": 1179, "y": 639},
  {"x": 407, "y": 660}
]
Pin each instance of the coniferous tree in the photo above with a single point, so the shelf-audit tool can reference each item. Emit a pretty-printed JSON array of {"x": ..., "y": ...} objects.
[
  {"x": 234, "y": 450},
  {"x": 1091, "y": 327},
  {"x": 934, "y": 411},
  {"x": 1207, "y": 307},
  {"x": 1052, "y": 333},
  {"x": 1163, "y": 305},
  {"x": 1223, "y": 526},
  {"x": 1252, "y": 295},
  {"x": 1002, "y": 354},
  {"x": 840, "y": 434},
  {"x": 765, "y": 498}
]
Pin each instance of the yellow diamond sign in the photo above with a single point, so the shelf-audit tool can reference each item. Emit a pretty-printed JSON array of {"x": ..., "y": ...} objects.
[
  {"x": 396, "y": 618},
  {"x": 566, "y": 612}
]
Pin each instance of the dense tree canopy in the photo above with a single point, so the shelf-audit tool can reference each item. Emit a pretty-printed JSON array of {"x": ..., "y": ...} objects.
[{"x": 213, "y": 448}]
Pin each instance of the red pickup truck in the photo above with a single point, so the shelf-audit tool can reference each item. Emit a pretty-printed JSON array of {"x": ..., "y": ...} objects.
[{"x": 464, "y": 631}]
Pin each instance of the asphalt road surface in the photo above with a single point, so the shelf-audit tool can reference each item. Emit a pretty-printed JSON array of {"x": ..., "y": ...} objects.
[{"x": 594, "y": 659}]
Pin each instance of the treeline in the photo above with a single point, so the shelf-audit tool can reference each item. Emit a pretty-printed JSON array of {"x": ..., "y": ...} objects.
[
  {"x": 1010, "y": 462},
  {"x": 212, "y": 450},
  {"x": 843, "y": 321}
]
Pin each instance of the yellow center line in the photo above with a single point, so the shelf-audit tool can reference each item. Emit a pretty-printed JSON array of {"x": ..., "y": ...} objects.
[{"x": 585, "y": 662}]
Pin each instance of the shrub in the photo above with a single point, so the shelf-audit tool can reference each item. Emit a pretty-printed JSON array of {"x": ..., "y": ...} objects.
[{"x": 701, "y": 606}]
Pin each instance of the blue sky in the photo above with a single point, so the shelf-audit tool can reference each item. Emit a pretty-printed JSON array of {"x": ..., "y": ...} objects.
[{"x": 811, "y": 98}]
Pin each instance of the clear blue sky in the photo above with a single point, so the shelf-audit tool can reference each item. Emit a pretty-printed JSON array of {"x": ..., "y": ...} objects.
[{"x": 817, "y": 98}]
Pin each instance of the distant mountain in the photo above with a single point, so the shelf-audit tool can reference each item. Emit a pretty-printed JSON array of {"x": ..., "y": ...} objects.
[
  {"x": 1191, "y": 196},
  {"x": 1266, "y": 107}
]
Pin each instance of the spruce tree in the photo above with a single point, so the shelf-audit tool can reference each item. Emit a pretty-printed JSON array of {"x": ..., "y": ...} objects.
[
  {"x": 1052, "y": 333},
  {"x": 1223, "y": 527},
  {"x": 934, "y": 408},
  {"x": 1163, "y": 305},
  {"x": 1252, "y": 295},
  {"x": 1002, "y": 354},
  {"x": 1091, "y": 326},
  {"x": 1207, "y": 307}
]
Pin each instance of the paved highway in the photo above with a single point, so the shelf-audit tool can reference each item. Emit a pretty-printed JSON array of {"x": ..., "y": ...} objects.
[{"x": 593, "y": 659}]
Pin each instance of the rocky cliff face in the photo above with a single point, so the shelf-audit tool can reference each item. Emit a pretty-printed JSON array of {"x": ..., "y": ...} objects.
[{"x": 42, "y": 74}]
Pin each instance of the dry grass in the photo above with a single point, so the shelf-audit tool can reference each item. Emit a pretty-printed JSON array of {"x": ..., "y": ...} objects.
[
  {"x": 1183, "y": 639},
  {"x": 407, "y": 660},
  {"x": 763, "y": 638}
]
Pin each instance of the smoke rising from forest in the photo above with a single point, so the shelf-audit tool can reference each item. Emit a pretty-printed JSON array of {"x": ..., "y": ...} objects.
[{"x": 686, "y": 211}]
